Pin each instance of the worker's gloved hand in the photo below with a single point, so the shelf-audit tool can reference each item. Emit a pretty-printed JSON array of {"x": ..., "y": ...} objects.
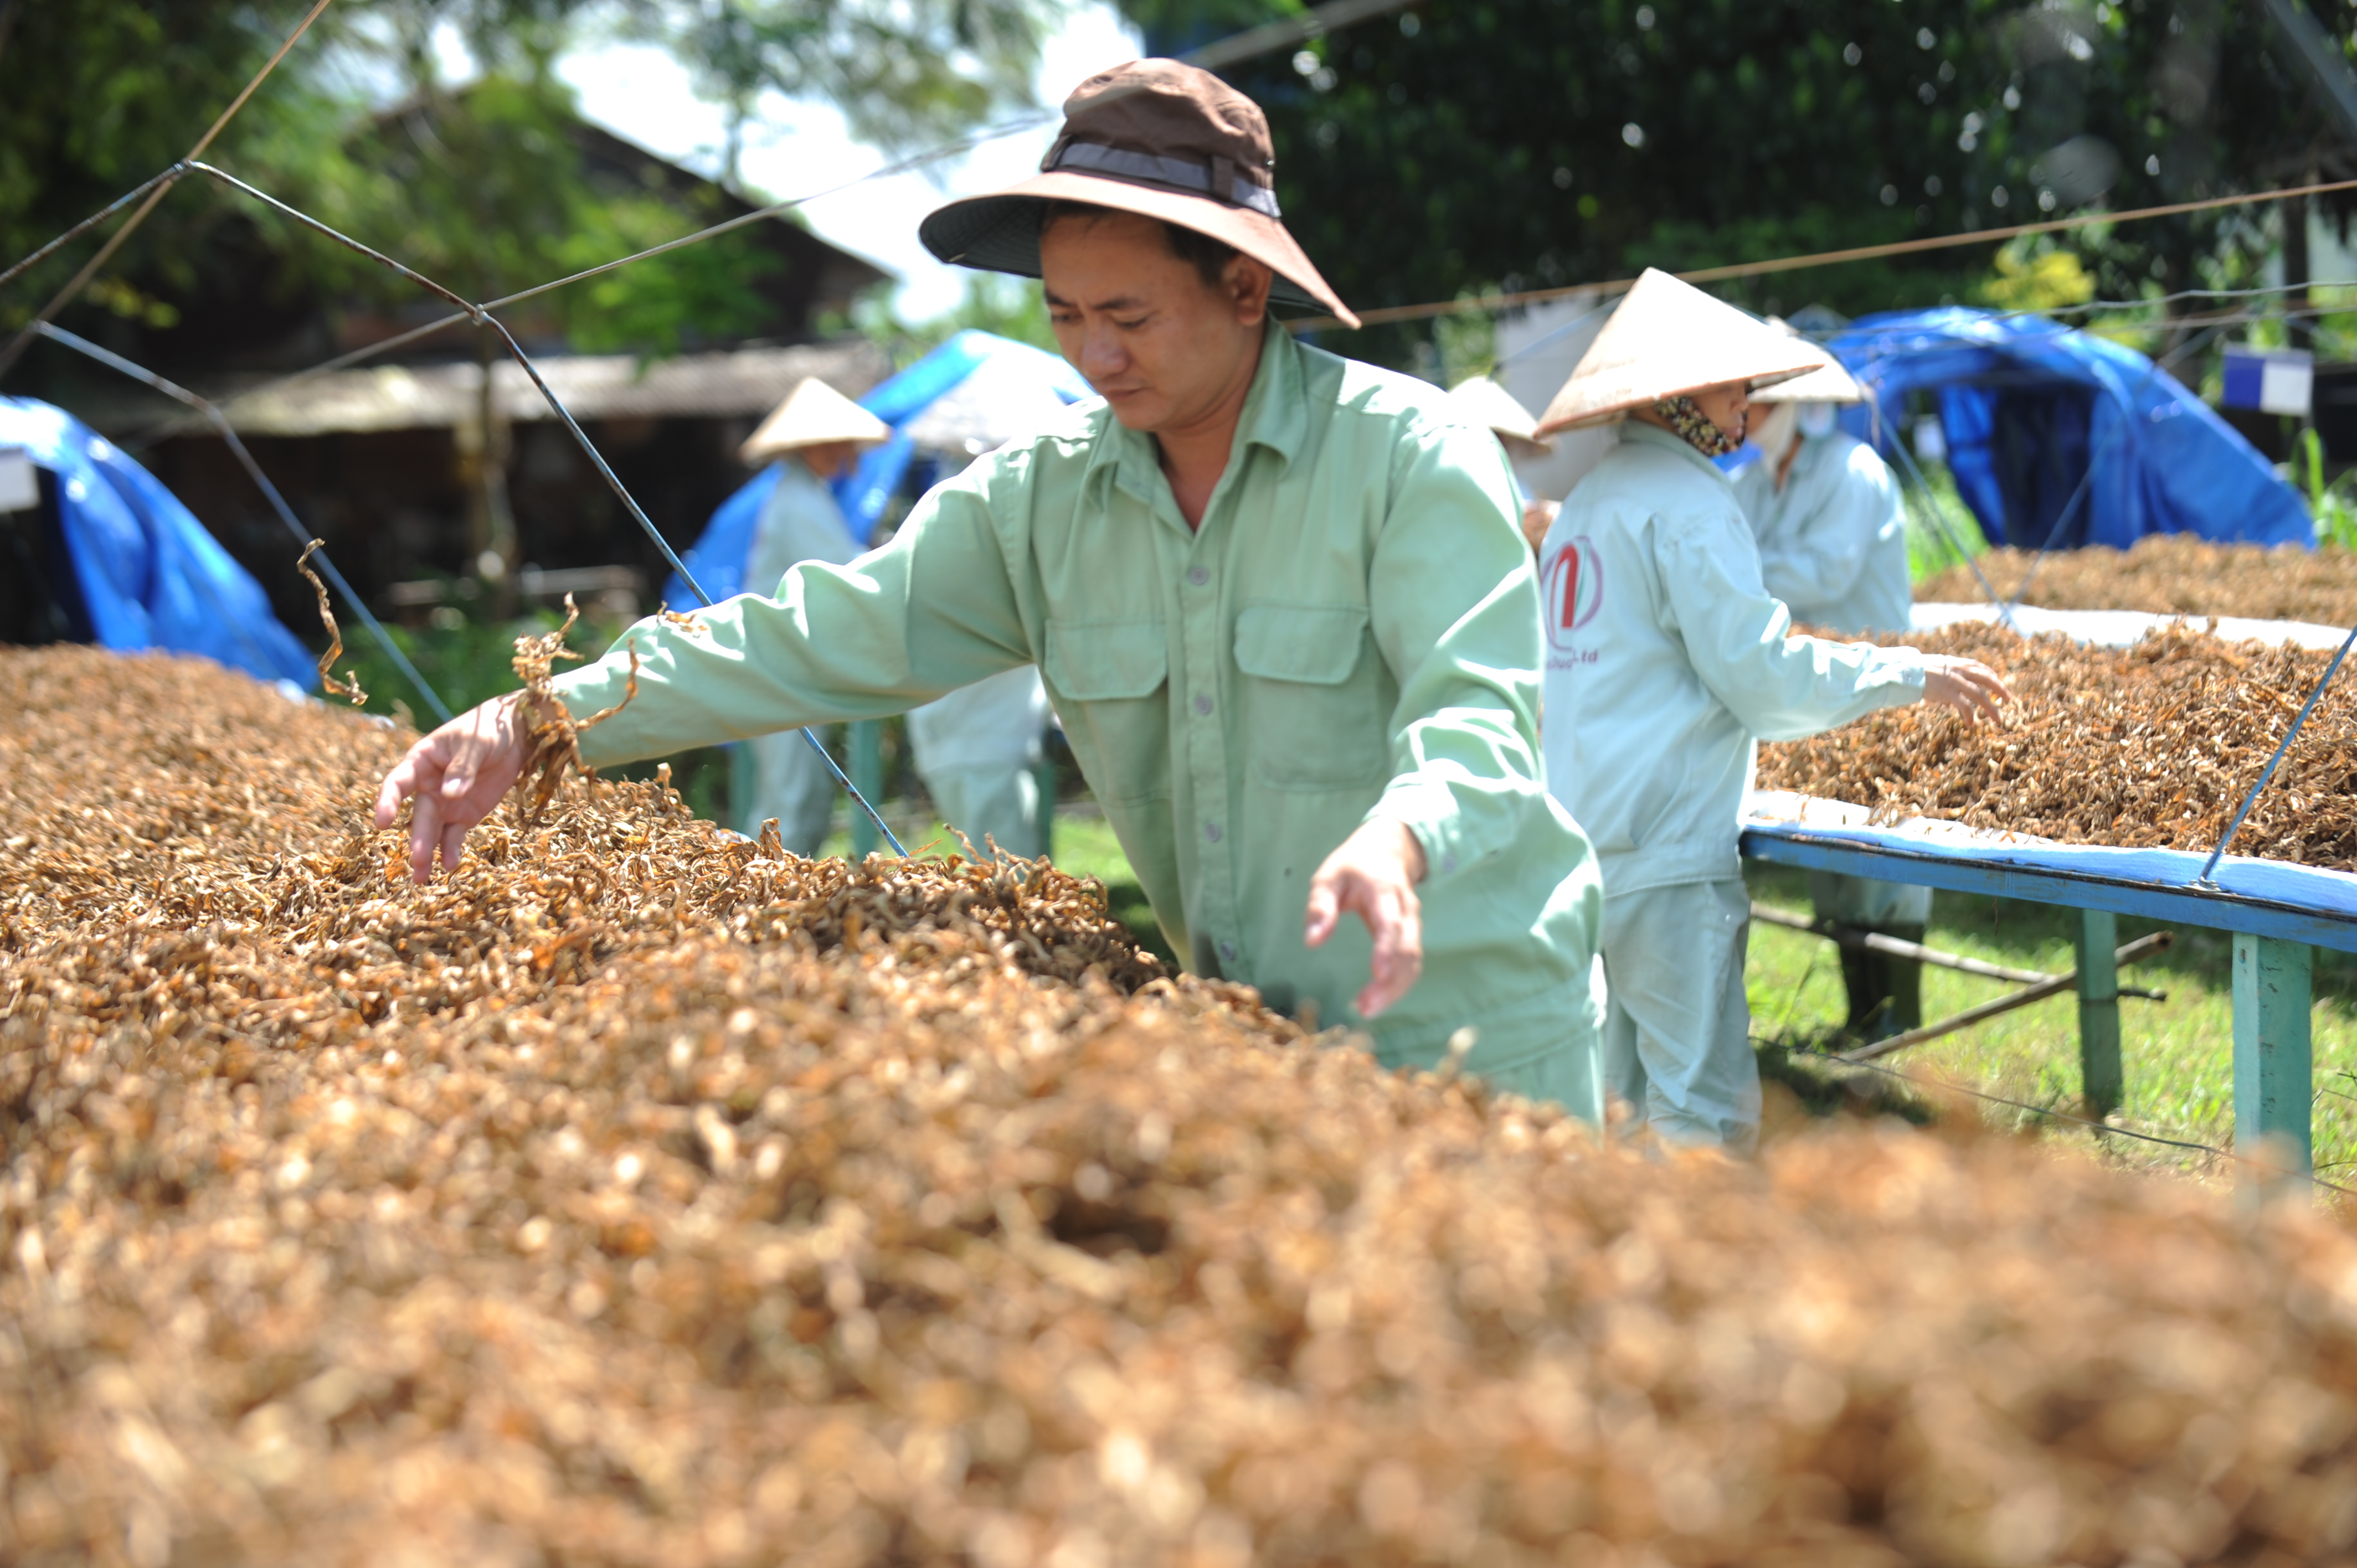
[
  {"x": 458, "y": 776},
  {"x": 1968, "y": 685},
  {"x": 1373, "y": 874}
]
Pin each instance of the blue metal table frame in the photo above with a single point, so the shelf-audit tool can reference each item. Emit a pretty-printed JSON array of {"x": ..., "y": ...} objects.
[{"x": 2273, "y": 939}]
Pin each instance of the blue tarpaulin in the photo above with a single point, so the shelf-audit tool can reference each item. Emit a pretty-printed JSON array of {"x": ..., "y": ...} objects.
[
  {"x": 2032, "y": 410},
  {"x": 149, "y": 576},
  {"x": 720, "y": 553}
]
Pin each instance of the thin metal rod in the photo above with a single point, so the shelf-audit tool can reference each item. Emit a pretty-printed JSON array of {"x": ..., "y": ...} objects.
[
  {"x": 270, "y": 492},
  {"x": 1931, "y": 509},
  {"x": 163, "y": 185},
  {"x": 557, "y": 407},
  {"x": 2141, "y": 948},
  {"x": 2274, "y": 762},
  {"x": 481, "y": 315},
  {"x": 93, "y": 221},
  {"x": 340, "y": 238},
  {"x": 1898, "y": 947}
]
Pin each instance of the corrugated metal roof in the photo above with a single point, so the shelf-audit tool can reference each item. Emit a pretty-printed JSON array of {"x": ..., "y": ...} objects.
[{"x": 742, "y": 383}]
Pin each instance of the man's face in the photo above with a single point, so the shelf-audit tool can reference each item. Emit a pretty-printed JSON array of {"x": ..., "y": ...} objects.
[{"x": 1155, "y": 341}]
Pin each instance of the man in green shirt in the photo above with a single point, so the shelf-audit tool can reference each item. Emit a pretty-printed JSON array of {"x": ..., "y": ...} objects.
[{"x": 1279, "y": 599}]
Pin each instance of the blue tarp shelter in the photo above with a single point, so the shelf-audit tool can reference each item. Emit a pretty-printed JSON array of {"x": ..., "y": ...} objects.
[
  {"x": 145, "y": 572},
  {"x": 2031, "y": 409},
  {"x": 719, "y": 554}
]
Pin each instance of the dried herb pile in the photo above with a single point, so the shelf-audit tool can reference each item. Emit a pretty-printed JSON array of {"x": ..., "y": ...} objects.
[
  {"x": 637, "y": 1199},
  {"x": 2170, "y": 573},
  {"x": 2146, "y": 747}
]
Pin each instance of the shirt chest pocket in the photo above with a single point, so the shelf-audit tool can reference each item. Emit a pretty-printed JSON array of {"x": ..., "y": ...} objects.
[
  {"x": 1111, "y": 682},
  {"x": 1313, "y": 694}
]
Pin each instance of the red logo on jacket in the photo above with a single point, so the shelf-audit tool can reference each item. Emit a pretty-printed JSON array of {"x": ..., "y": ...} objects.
[{"x": 1574, "y": 589}]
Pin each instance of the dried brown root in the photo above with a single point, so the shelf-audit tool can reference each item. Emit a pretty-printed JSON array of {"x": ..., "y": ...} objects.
[
  {"x": 556, "y": 734},
  {"x": 349, "y": 686}
]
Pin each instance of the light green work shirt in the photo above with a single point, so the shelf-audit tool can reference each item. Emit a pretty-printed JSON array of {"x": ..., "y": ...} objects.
[{"x": 1352, "y": 632}]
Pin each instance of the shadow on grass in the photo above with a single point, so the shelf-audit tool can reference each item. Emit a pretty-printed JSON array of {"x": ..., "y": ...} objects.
[{"x": 1800, "y": 1063}]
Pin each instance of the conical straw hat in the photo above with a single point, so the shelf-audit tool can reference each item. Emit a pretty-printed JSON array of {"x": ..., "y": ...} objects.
[
  {"x": 814, "y": 414},
  {"x": 1668, "y": 339},
  {"x": 1829, "y": 383},
  {"x": 1484, "y": 401}
]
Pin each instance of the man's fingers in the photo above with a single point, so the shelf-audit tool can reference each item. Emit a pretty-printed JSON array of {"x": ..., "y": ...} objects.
[
  {"x": 424, "y": 833},
  {"x": 1396, "y": 924},
  {"x": 398, "y": 784},
  {"x": 1325, "y": 912},
  {"x": 454, "y": 844}
]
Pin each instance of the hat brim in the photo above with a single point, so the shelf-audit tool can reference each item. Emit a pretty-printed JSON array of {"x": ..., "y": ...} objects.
[
  {"x": 1000, "y": 232},
  {"x": 1618, "y": 408}
]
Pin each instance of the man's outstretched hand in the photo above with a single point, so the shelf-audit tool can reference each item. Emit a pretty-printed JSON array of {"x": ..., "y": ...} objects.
[
  {"x": 458, "y": 776},
  {"x": 1373, "y": 874}
]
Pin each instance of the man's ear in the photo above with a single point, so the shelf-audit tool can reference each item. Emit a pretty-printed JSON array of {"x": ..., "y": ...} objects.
[{"x": 1247, "y": 282}]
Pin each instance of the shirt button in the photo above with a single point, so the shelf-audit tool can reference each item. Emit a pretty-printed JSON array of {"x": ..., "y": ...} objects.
[
  {"x": 1228, "y": 951},
  {"x": 1203, "y": 703},
  {"x": 1211, "y": 832},
  {"x": 1199, "y": 575}
]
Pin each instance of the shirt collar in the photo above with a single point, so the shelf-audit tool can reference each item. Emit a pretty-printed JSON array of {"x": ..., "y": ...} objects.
[
  {"x": 1646, "y": 435},
  {"x": 1273, "y": 416}
]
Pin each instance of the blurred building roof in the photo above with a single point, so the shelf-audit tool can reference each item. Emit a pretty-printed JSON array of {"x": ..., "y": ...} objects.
[{"x": 739, "y": 382}]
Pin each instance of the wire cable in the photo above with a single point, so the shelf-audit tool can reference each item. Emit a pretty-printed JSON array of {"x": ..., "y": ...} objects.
[
  {"x": 158, "y": 190},
  {"x": 113, "y": 361},
  {"x": 2268, "y": 773},
  {"x": 482, "y": 316},
  {"x": 1382, "y": 315}
]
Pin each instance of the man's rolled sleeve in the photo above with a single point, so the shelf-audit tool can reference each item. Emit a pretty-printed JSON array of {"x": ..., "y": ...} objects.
[
  {"x": 837, "y": 642},
  {"x": 1455, "y": 607}
]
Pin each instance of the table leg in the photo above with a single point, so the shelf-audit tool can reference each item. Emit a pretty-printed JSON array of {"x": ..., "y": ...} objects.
[
  {"x": 2273, "y": 1091},
  {"x": 867, "y": 772},
  {"x": 2099, "y": 1011}
]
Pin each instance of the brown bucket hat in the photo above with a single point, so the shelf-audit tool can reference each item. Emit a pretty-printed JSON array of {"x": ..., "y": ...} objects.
[{"x": 1154, "y": 137}]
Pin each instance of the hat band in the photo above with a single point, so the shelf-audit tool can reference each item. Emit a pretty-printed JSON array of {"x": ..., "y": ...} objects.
[{"x": 1093, "y": 158}]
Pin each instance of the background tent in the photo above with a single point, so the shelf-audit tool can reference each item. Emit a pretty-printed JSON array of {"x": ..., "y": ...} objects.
[
  {"x": 956, "y": 384},
  {"x": 138, "y": 570},
  {"x": 2029, "y": 407}
]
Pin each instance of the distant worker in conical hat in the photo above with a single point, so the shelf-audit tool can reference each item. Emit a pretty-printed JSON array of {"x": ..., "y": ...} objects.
[
  {"x": 1832, "y": 530},
  {"x": 1483, "y": 401},
  {"x": 1667, "y": 659},
  {"x": 813, "y": 436}
]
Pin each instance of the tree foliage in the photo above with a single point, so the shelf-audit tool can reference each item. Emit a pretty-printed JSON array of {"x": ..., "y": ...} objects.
[
  {"x": 1469, "y": 144},
  {"x": 477, "y": 187}
]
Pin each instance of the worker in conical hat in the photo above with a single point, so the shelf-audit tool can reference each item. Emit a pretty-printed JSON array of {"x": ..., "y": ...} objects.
[
  {"x": 1484, "y": 401},
  {"x": 1277, "y": 597},
  {"x": 1667, "y": 659},
  {"x": 1832, "y": 531},
  {"x": 813, "y": 438}
]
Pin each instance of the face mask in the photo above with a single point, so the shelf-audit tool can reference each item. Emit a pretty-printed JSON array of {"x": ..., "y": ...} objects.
[
  {"x": 1818, "y": 419},
  {"x": 1773, "y": 431},
  {"x": 1695, "y": 427}
]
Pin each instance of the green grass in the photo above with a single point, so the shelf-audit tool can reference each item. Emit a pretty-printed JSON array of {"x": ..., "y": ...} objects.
[{"x": 2176, "y": 1055}]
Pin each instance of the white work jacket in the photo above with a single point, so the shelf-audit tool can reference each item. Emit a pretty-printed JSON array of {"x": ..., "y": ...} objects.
[
  {"x": 799, "y": 522},
  {"x": 1833, "y": 542},
  {"x": 1667, "y": 659}
]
